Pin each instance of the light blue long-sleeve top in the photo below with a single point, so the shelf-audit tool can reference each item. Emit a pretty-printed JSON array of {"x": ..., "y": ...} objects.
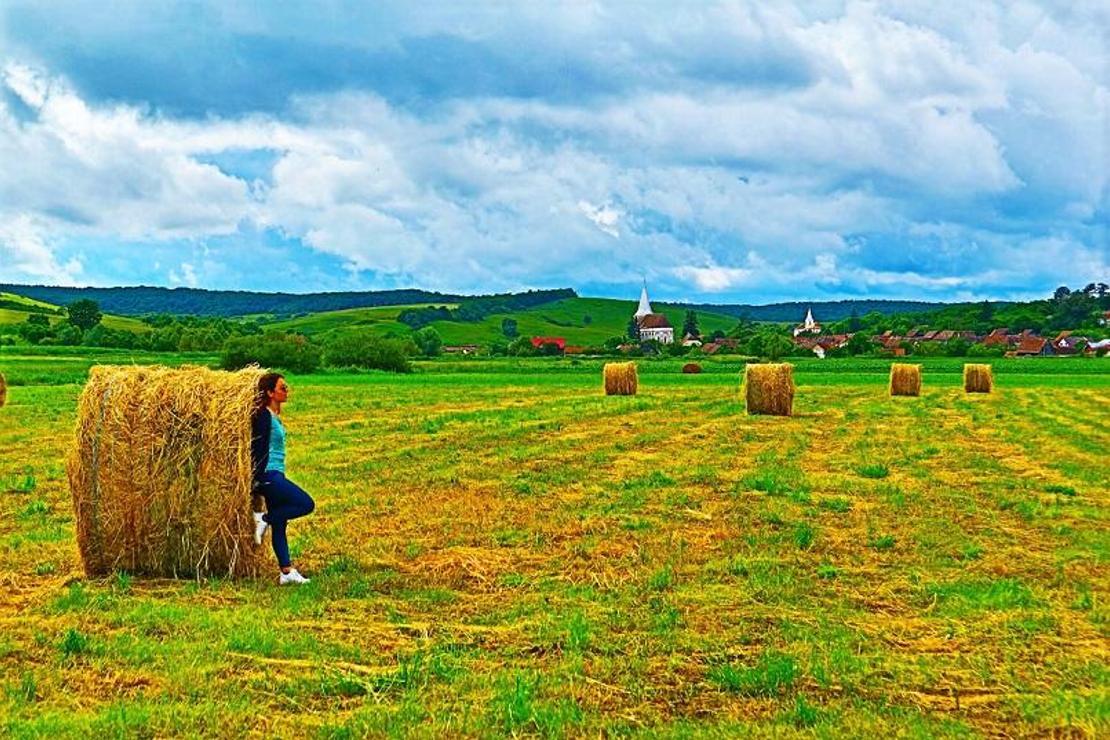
[{"x": 276, "y": 459}]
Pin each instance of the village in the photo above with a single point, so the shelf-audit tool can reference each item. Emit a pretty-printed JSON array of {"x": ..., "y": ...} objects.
[{"x": 651, "y": 332}]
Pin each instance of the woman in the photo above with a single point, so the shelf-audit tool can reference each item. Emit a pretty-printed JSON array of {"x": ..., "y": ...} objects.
[{"x": 285, "y": 500}]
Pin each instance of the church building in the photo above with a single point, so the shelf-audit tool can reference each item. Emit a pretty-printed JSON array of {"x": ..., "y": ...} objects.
[
  {"x": 652, "y": 325},
  {"x": 809, "y": 326}
]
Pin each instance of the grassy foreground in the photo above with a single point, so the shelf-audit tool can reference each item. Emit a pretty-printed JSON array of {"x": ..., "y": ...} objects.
[{"x": 506, "y": 551}]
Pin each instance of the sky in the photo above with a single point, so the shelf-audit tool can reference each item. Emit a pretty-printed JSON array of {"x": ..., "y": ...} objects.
[{"x": 735, "y": 152}]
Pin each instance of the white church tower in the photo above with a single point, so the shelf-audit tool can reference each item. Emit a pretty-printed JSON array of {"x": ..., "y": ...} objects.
[
  {"x": 645, "y": 305},
  {"x": 808, "y": 326},
  {"x": 652, "y": 325}
]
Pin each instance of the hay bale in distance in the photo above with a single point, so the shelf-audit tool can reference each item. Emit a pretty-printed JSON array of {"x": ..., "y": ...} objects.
[
  {"x": 160, "y": 472},
  {"x": 3, "y": 390},
  {"x": 905, "y": 380},
  {"x": 620, "y": 378},
  {"x": 769, "y": 389},
  {"x": 691, "y": 368},
  {"x": 978, "y": 378}
]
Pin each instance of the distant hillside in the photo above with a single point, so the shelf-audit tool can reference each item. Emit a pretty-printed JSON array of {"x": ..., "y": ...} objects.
[
  {"x": 195, "y": 301},
  {"x": 137, "y": 301},
  {"x": 14, "y": 309},
  {"x": 823, "y": 311},
  {"x": 582, "y": 321}
]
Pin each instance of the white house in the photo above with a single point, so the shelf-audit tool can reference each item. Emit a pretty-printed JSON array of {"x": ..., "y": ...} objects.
[{"x": 652, "y": 325}]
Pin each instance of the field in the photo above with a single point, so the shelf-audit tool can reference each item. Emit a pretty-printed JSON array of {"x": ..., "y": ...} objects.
[{"x": 499, "y": 549}]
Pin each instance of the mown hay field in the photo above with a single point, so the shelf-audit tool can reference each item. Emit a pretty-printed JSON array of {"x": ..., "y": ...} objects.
[{"x": 500, "y": 552}]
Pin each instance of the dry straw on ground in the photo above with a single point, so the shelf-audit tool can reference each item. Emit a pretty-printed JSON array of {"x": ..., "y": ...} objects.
[
  {"x": 160, "y": 472},
  {"x": 978, "y": 378},
  {"x": 691, "y": 368},
  {"x": 905, "y": 380},
  {"x": 620, "y": 378},
  {"x": 3, "y": 390},
  {"x": 769, "y": 389}
]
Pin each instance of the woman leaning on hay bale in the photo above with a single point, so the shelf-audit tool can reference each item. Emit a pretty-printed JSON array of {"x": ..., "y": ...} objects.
[{"x": 285, "y": 500}]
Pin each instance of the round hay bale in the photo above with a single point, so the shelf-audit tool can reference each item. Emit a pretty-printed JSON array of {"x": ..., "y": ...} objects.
[
  {"x": 620, "y": 378},
  {"x": 691, "y": 368},
  {"x": 3, "y": 390},
  {"x": 160, "y": 472},
  {"x": 905, "y": 380},
  {"x": 769, "y": 389},
  {"x": 978, "y": 378}
]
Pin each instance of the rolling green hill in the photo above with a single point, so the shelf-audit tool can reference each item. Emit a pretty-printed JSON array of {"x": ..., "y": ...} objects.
[
  {"x": 10, "y": 315},
  {"x": 383, "y": 319},
  {"x": 582, "y": 321}
]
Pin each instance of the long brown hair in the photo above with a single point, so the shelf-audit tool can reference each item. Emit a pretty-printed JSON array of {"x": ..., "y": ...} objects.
[{"x": 266, "y": 384}]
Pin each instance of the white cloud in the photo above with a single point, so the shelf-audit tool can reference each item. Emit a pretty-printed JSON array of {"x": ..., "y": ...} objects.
[
  {"x": 25, "y": 253},
  {"x": 605, "y": 217},
  {"x": 714, "y": 279}
]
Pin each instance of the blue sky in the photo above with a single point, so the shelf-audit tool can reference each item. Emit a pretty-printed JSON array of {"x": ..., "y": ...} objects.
[{"x": 726, "y": 152}]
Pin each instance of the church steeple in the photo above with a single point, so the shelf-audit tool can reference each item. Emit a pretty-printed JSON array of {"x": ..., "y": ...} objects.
[{"x": 645, "y": 307}]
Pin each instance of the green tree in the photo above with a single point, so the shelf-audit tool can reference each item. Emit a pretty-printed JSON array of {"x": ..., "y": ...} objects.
[
  {"x": 690, "y": 325},
  {"x": 633, "y": 330},
  {"x": 364, "y": 349},
  {"x": 292, "y": 352},
  {"x": 509, "y": 328},
  {"x": 429, "y": 341},
  {"x": 37, "y": 319},
  {"x": 84, "y": 314},
  {"x": 522, "y": 347},
  {"x": 776, "y": 346},
  {"x": 860, "y": 344}
]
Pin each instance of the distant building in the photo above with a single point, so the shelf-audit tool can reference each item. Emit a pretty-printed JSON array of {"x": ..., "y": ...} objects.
[
  {"x": 1033, "y": 346},
  {"x": 808, "y": 326},
  {"x": 652, "y": 325},
  {"x": 560, "y": 342},
  {"x": 460, "y": 349}
]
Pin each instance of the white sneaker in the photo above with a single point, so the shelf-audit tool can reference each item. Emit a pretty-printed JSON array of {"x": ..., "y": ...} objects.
[
  {"x": 260, "y": 527},
  {"x": 292, "y": 577}
]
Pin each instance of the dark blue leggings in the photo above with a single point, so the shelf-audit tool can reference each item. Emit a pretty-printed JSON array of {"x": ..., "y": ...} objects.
[{"x": 285, "y": 500}]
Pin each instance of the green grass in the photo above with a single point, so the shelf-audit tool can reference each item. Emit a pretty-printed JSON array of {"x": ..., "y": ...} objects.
[{"x": 499, "y": 549}]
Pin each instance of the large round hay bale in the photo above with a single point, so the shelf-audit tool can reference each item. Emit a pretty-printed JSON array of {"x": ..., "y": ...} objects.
[
  {"x": 769, "y": 389},
  {"x": 978, "y": 378},
  {"x": 905, "y": 380},
  {"x": 620, "y": 378},
  {"x": 691, "y": 368},
  {"x": 160, "y": 472},
  {"x": 3, "y": 390}
]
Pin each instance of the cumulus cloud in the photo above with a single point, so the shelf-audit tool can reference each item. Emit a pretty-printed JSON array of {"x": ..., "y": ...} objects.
[{"x": 735, "y": 150}]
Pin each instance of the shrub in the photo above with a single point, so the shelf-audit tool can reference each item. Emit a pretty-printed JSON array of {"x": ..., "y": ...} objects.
[
  {"x": 366, "y": 350},
  {"x": 428, "y": 340},
  {"x": 292, "y": 352}
]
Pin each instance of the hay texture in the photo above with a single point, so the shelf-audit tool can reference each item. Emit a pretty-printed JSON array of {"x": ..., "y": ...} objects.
[
  {"x": 978, "y": 378},
  {"x": 905, "y": 380},
  {"x": 620, "y": 378},
  {"x": 3, "y": 390},
  {"x": 769, "y": 389},
  {"x": 160, "y": 472},
  {"x": 691, "y": 368}
]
